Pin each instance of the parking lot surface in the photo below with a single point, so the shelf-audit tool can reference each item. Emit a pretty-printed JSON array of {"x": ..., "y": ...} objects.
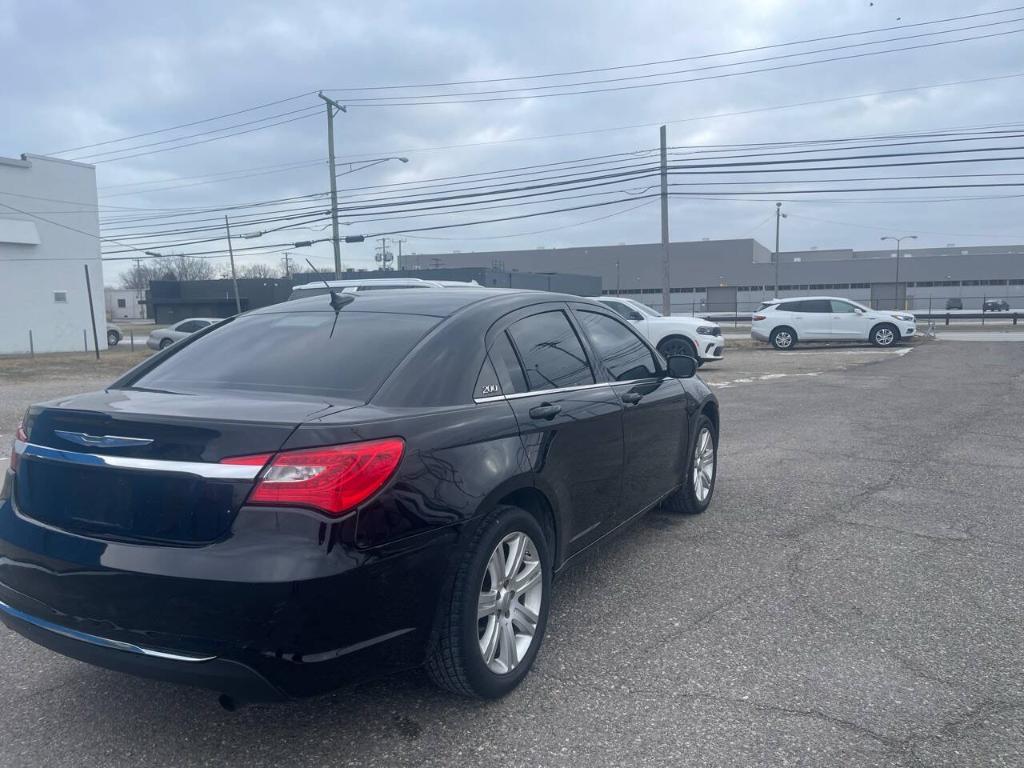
[{"x": 852, "y": 598}]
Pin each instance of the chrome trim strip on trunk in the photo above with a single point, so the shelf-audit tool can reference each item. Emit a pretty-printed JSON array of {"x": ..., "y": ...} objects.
[
  {"x": 203, "y": 469},
  {"x": 102, "y": 642}
]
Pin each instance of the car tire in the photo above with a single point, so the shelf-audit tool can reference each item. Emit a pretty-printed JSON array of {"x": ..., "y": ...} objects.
[
  {"x": 783, "y": 338},
  {"x": 884, "y": 335},
  {"x": 695, "y": 494},
  {"x": 165, "y": 343},
  {"x": 458, "y": 660},
  {"x": 678, "y": 345},
  {"x": 112, "y": 338}
]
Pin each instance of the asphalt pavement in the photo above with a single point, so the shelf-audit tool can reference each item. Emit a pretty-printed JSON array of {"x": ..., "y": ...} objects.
[{"x": 852, "y": 598}]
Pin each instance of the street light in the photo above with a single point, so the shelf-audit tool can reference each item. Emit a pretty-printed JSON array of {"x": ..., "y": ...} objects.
[
  {"x": 899, "y": 251},
  {"x": 370, "y": 164}
]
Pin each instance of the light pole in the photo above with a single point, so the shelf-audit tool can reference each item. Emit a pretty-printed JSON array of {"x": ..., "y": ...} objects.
[
  {"x": 779, "y": 215},
  {"x": 899, "y": 252}
]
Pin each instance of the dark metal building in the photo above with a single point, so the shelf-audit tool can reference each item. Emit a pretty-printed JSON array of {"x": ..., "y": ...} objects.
[{"x": 172, "y": 300}]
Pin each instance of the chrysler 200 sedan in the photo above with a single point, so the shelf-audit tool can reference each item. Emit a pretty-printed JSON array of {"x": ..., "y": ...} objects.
[{"x": 344, "y": 486}]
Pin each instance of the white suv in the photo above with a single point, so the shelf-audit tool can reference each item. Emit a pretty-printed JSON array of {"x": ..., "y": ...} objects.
[
  {"x": 691, "y": 336},
  {"x": 784, "y": 322}
]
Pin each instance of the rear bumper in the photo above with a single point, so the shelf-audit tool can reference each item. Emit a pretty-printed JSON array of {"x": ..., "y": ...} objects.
[
  {"x": 758, "y": 335},
  {"x": 283, "y": 607}
]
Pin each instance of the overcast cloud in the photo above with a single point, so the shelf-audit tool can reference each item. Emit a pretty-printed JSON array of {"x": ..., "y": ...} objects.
[{"x": 82, "y": 72}]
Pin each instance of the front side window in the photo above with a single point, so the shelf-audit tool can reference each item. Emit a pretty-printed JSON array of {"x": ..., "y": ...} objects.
[
  {"x": 623, "y": 354},
  {"x": 843, "y": 308},
  {"x": 552, "y": 354},
  {"x": 619, "y": 308}
]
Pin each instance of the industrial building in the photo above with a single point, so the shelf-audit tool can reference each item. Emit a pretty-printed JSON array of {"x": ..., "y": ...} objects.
[
  {"x": 49, "y": 235},
  {"x": 735, "y": 275}
]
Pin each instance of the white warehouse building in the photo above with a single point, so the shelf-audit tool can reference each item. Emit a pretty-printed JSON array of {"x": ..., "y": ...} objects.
[{"x": 49, "y": 234}]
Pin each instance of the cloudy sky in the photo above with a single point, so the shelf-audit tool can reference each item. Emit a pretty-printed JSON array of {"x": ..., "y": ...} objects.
[{"x": 82, "y": 73}]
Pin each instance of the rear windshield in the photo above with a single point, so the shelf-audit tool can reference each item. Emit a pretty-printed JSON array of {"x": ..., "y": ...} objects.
[{"x": 300, "y": 353}]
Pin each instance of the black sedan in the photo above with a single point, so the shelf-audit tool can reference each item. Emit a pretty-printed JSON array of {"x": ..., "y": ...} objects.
[{"x": 343, "y": 486}]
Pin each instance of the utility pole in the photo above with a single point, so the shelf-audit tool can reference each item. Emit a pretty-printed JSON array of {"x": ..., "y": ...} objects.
[
  {"x": 779, "y": 216},
  {"x": 234, "y": 277},
  {"x": 287, "y": 264},
  {"x": 666, "y": 286},
  {"x": 333, "y": 108},
  {"x": 384, "y": 257},
  {"x": 400, "y": 240}
]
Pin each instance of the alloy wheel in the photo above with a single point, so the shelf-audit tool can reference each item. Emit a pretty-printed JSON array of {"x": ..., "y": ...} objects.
[
  {"x": 703, "y": 465},
  {"x": 884, "y": 336},
  {"x": 783, "y": 339},
  {"x": 509, "y": 603}
]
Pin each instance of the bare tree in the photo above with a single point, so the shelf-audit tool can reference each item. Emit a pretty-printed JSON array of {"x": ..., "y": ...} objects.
[
  {"x": 258, "y": 271},
  {"x": 183, "y": 267}
]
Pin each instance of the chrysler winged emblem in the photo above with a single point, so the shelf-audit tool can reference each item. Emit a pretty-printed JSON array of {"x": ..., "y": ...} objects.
[{"x": 102, "y": 441}]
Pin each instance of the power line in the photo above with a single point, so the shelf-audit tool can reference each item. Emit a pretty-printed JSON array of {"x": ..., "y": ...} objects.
[{"x": 441, "y": 99}]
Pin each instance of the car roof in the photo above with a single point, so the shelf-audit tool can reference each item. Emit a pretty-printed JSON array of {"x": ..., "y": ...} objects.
[
  {"x": 378, "y": 281},
  {"x": 438, "y": 302},
  {"x": 810, "y": 298}
]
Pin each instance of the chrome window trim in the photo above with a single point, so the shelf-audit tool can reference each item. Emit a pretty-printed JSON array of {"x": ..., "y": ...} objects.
[
  {"x": 532, "y": 393},
  {"x": 102, "y": 642},
  {"x": 203, "y": 469}
]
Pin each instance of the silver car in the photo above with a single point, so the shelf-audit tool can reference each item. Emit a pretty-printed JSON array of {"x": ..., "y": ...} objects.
[{"x": 164, "y": 337}]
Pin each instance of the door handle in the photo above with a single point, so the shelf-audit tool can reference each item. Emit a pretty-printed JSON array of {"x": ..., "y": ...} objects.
[
  {"x": 632, "y": 398},
  {"x": 545, "y": 411}
]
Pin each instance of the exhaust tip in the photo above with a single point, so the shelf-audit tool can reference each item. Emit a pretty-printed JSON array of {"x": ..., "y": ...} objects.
[{"x": 229, "y": 703}]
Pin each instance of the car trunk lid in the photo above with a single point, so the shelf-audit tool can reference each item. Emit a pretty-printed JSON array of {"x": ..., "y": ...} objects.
[{"x": 145, "y": 466}]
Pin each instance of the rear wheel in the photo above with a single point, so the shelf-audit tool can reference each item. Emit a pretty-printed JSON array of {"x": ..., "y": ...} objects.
[
  {"x": 493, "y": 623},
  {"x": 112, "y": 338},
  {"x": 783, "y": 338},
  {"x": 694, "y": 496},
  {"x": 678, "y": 345},
  {"x": 884, "y": 335}
]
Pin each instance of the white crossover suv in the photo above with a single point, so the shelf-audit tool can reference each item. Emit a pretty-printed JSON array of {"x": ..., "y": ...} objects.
[
  {"x": 784, "y": 322},
  {"x": 675, "y": 335}
]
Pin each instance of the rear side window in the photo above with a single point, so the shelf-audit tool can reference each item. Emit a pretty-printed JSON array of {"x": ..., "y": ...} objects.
[
  {"x": 552, "y": 354},
  {"x": 190, "y": 326},
  {"x": 623, "y": 354},
  {"x": 301, "y": 354},
  {"x": 509, "y": 371},
  {"x": 820, "y": 306}
]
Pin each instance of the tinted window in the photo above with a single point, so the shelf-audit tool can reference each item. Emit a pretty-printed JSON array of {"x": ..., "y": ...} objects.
[
  {"x": 623, "y": 354},
  {"x": 620, "y": 308},
  {"x": 506, "y": 365},
  {"x": 190, "y": 326},
  {"x": 816, "y": 305},
  {"x": 551, "y": 352},
  {"x": 843, "y": 307},
  {"x": 303, "y": 353},
  {"x": 789, "y": 306}
]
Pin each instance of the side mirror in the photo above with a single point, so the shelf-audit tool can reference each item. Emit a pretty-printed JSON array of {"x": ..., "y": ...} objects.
[
  {"x": 682, "y": 367},
  {"x": 635, "y": 316}
]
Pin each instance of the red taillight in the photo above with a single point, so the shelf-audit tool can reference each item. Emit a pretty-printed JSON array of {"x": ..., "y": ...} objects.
[
  {"x": 334, "y": 479},
  {"x": 758, "y": 317},
  {"x": 20, "y": 436}
]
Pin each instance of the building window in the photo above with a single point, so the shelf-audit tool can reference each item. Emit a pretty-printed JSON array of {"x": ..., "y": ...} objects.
[
  {"x": 60, "y": 297},
  {"x": 121, "y": 304}
]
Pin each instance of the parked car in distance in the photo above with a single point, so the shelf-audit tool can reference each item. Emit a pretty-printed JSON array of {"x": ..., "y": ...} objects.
[
  {"x": 995, "y": 305},
  {"x": 164, "y": 337},
  {"x": 323, "y": 287},
  {"x": 785, "y": 322},
  {"x": 114, "y": 334},
  {"x": 954, "y": 304},
  {"x": 675, "y": 335},
  {"x": 328, "y": 489}
]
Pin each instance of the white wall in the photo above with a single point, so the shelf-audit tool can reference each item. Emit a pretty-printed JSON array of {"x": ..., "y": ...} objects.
[
  {"x": 63, "y": 193},
  {"x": 132, "y": 309}
]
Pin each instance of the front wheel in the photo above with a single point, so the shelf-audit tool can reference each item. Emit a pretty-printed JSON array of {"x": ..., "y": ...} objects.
[
  {"x": 677, "y": 345},
  {"x": 165, "y": 343},
  {"x": 492, "y": 625},
  {"x": 884, "y": 335},
  {"x": 694, "y": 496}
]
